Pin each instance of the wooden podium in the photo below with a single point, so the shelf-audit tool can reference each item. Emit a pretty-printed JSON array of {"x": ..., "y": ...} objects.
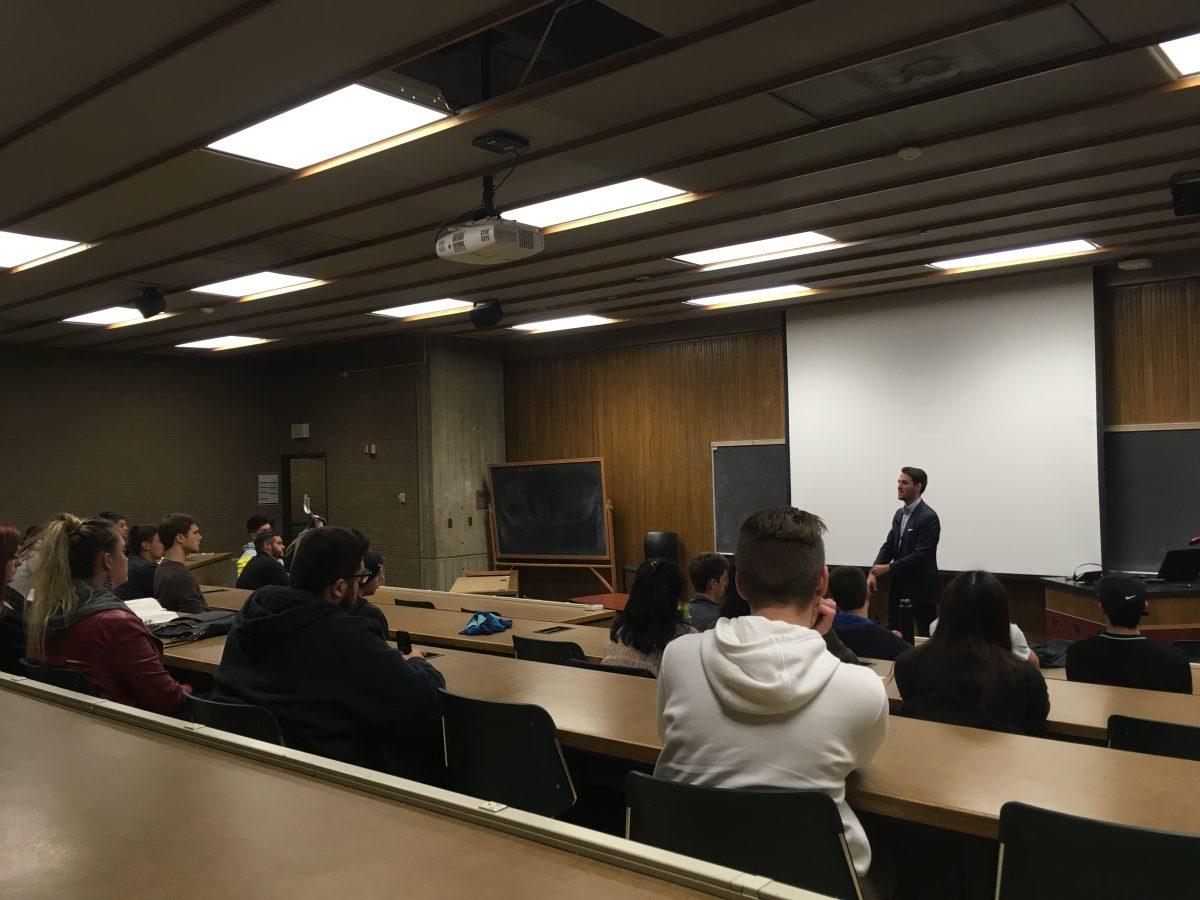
[{"x": 1073, "y": 611}]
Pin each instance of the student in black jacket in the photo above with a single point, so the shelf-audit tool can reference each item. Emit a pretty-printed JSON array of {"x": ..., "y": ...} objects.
[
  {"x": 1121, "y": 655},
  {"x": 848, "y": 589},
  {"x": 336, "y": 687},
  {"x": 372, "y": 581},
  {"x": 266, "y": 565},
  {"x": 145, "y": 549},
  {"x": 966, "y": 673}
]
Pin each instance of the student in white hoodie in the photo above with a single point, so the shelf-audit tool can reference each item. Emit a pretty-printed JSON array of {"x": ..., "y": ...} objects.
[{"x": 758, "y": 701}]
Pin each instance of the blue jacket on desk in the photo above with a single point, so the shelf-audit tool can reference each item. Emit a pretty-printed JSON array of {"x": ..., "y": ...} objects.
[
  {"x": 336, "y": 686},
  {"x": 913, "y": 556}
]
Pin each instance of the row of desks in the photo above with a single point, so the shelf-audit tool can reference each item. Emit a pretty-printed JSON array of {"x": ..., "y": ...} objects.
[{"x": 940, "y": 775}]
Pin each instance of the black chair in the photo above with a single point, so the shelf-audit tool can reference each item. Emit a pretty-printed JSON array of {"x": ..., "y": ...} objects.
[
  {"x": 1191, "y": 649},
  {"x": 1048, "y": 855},
  {"x": 245, "y": 719},
  {"x": 795, "y": 837},
  {"x": 1159, "y": 738},
  {"x": 557, "y": 652},
  {"x": 658, "y": 545},
  {"x": 600, "y": 667},
  {"x": 416, "y": 604},
  {"x": 507, "y": 753},
  {"x": 61, "y": 676}
]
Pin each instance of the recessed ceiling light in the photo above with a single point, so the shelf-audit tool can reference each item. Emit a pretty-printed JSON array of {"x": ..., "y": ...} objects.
[
  {"x": 114, "y": 315},
  {"x": 758, "y": 295},
  {"x": 427, "y": 310},
  {"x": 329, "y": 126},
  {"x": 1184, "y": 54},
  {"x": 26, "y": 250},
  {"x": 759, "y": 251},
  {"x": 1016, "y": 256},
  {"x": 259, "y": 285},
  {"x": 563, "y": 324},
  {"x": 229, "y": 342},
  {"x": 612, "y": 201}
]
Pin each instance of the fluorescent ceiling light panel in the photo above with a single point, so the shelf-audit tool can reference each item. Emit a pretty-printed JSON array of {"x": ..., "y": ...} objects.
[
  {"x": 111, "y": 316},
  {"x": 19, "y": 249},
  {"x": 595, "y": 202},
  {"x": 327, "y": 127},
  {"x": 229, "y": 342},
  {"x": 563, "y": 324},
  {"x": 758, "y": 295},
  {"x": 1016, "y": 256},
  {"x": 257, "y": 284},
  {"x": 1184, "y": 54},
  {"x": 426, "y": 310},
  {"x": 759, "y": 251}
]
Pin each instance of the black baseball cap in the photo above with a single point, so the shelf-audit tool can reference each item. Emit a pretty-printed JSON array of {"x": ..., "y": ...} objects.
[{"x": 1119, "y": 592}]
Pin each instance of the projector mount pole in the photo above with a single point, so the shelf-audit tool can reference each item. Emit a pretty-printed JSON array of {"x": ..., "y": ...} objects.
[{"x": 488, "y": 210}]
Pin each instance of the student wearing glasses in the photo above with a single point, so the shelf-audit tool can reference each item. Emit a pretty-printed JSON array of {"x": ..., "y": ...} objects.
[
  {"x": 336, "y": 686},
  {"x": 370, "y": 582}
]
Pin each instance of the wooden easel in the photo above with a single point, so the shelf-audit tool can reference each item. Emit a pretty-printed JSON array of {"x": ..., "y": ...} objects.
[{"x": 594, "y": 564}]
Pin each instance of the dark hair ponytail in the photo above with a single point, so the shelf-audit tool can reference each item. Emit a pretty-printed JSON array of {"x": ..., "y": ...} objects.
[{"x": 651, "y": 618}]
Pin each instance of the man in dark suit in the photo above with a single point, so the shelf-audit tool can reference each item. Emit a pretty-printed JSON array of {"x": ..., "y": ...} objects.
[{"x": 909, "y": 554}]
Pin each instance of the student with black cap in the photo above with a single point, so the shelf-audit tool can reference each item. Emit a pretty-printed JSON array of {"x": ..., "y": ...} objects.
[{"x": 1121, "y": 655}]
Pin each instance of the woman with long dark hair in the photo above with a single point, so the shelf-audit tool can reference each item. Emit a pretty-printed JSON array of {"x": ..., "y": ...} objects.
[
  {"x": 966, "y": 674},
  {"x": 650, "y": 620},
  {"x": 74, "y": 620}
]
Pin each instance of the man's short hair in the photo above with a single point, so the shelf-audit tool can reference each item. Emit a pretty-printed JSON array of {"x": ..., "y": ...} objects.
[
  {"x": 918, "y": 476},
  {"x": 175, "y": 523},
  {"x": 138, "y": 535},
  {"x": 262, "y": 538},
  {"x": 848, "y": 587},
  {"x": 1123, "y": 599},
  {"x": 780, "y": 555},
  {"x": 324, "y": 556},
  {"x": 256, "y": 522},
  {"x": 704, "y": 568}
]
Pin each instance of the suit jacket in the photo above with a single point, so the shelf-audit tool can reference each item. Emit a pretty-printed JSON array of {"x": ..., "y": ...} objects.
[{"x": 913, "y": 556}]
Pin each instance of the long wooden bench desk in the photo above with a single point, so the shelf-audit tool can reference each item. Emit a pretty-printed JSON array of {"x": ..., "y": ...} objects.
[
  {"x": 96, "y": 802},
  {"x": 507, "y": 607},
  {"x": 941, "y": 775},
  {"x": 1060, "y": 674}
]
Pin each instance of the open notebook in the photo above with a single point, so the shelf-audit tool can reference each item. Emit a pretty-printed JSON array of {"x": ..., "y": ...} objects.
[{"x": 149, "y": 611}]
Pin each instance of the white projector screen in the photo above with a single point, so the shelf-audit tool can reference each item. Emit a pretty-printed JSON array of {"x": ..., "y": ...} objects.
[{"x": 991, "y": 388}]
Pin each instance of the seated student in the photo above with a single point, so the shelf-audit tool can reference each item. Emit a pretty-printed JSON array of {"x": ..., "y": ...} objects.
[
  {"x": 12, "y": 605},
  {"x": 117, "y": 519},
  {"x": 27, "y": 555},
  {"x": 733, "y": 604},
  {"x": 254, "y": 525},
  {"x": 650, "y": 620},
  {"x": 1121, "y": 655},
  {"x": 848, "y": 589},
  {"x": 757, "y": 702},
  {"x": 266, "y": 566},
  {"x": 175, "y": 586},
  {"x": 75, "y": 621},
  {"x": 709, "y": 574},
  {"x": 966, "y": 674},
  {"x": 371, "y": 581},
  {"x": 145, "y": 549},
  {"x": 336, "y": 687},
  {"x": 1016, "y": 637}
]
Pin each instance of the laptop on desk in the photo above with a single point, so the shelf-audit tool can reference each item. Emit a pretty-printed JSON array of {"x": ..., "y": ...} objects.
[{"x": 1178, "y": 567}]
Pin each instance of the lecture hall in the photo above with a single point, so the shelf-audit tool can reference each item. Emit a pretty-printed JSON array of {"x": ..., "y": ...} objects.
[{"x": 600, "y": 449}]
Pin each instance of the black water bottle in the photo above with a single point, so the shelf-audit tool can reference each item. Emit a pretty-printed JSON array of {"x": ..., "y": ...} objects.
[{"x": 907, "y": 626}]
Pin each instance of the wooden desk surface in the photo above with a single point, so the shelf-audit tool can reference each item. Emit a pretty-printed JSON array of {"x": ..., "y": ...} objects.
[
  {"x": 224, "y": 597},
  {"x": 1060, "y": 674},
  {"x": 441, "y": 627},
  {"x": 507, "y": 607},
  {"x": 197, "y": 560},
  {"x": 251, "y": 828}
]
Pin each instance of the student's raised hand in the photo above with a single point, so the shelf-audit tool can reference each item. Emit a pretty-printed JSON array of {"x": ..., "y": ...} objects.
[{"x": 826, "y": 610}]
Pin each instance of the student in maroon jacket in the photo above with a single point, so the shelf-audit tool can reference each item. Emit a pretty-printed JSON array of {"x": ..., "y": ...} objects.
[{"x": 75, "y": 621}]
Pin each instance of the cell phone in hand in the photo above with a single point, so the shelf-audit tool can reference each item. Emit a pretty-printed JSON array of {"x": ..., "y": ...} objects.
[{"x": 404, "y": 642}]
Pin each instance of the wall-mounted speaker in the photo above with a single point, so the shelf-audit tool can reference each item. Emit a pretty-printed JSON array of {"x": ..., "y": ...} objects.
[
  {"x": 486, "y": 314},
  {"x": 150, "y": 302}
]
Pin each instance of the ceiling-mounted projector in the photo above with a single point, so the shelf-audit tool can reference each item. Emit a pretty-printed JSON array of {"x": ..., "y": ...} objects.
[{"x": 489, "y": 242}]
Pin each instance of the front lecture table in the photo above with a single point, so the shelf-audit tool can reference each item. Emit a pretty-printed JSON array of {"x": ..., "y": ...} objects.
[
  {"x": 1073, "y": 611},
  {"x": 178, "y": 814}
]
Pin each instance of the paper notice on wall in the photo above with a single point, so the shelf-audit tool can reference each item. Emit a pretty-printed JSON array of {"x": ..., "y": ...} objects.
[{"x": 268, "y": 488}]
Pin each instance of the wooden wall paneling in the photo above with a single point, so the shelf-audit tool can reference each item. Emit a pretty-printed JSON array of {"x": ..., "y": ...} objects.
[
  {"x": 651, "y": 412},
  {"x": 1151, "y": 337}
]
